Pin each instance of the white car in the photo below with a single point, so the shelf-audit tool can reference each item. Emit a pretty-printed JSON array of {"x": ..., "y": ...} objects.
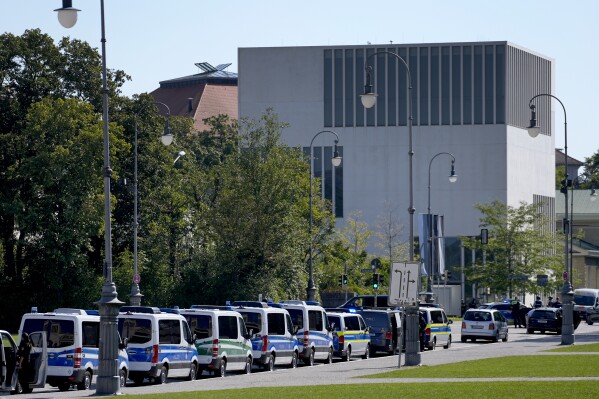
[{"x": 487, "y": 324}]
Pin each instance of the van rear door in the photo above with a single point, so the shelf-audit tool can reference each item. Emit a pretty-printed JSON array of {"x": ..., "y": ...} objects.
[
  {"x": 39, "y": 359},
  {"x": 8, "y": 356}
]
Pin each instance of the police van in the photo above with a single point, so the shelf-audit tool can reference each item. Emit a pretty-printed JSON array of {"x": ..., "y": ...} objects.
[
  {"x": 313, "y": 331},
  {"x": 159, "y": 346},
  {"x": 38, "y": 359},
  {"x": 351, "y": 336},
  {"x": 72, "y": 338},
  {"x": 274, "y": 338},
  {"x": 221, "y": 339},
  {"x": 436, "y": 328}
]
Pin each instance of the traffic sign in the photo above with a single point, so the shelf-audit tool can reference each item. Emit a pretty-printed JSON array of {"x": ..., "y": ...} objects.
[
  {"x": 542, "y": 280},
  {"x": 375, "y": 263},
  {"x": 565, "y": 276},
  {"x": 403, "y": 283},
  {"x": 136, "y": 278}
]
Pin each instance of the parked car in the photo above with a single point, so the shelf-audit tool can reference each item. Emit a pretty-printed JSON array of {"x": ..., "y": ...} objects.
[
  {"x": 437, "y": 328},
  {"x": 504, "y": 307},
  {"x": 544, "y": 319},
  {"x": 489, "y": 324},
  {"x": 351, "y": 336},
  {"x": 385, "y": 329}
]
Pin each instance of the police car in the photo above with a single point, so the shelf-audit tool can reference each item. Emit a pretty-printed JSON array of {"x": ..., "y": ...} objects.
[
  {"x": 436, "y": 328},
  {"x": 351, "y": 336}
]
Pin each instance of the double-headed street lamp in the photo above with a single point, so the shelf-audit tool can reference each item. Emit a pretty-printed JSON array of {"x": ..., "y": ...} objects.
[
  {"x": 336, "y": 161},
  {"x": 368, "y": 100},
  {"x": 452, "y": 179},
  {"x": 108, "y": 381},
  {"x": 166, "y": 139},
  {"x": 567, "y": 294}
]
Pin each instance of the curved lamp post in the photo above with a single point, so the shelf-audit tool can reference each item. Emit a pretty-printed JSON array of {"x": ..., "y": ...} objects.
[
  {"x": 108, "y": 381},
  {"x": 179, "y": 155},
  {"x": 166, "y": 139},
  {"x": 336, "y": 161},
  {"x": 567, "y": 294},
  {"x": 452, "y": 179},
  {"x": 368, "y": 101}
]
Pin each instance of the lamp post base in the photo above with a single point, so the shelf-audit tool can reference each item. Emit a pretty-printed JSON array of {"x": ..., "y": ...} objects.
[
  {"x": 413, "y": 357},
  {"x": 567, "y": 320},
  {"x": 311, "y": 292},
  {"x": 108, "y": 382},
  {"x": 135, "y": 295}
]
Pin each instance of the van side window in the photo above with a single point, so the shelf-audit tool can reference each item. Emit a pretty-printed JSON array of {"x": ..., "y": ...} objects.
[
  {"x": 242, "y": 328},
  {"x": 169, "y": 332},
  {"x": 227, "y": 327},
  {"x": 201, "y": 325},
  {"x": 436, "y": 316},
  {"x": 336, "y": 320},
  {"x": 315, "y": 320},
  {"x": 187, "y": 333},
  {"x": 352, "y": 323},
  {"x": 289, "y": 324},
  {"x": 138, "y": 331},
  {"x": 276, "y": 323},
  {"x": 362, "y": 324},
  {"x": 297, "y": 316},
  {"x": 91, "y": 334},
  {"x": 252, "y": 321},
  {"x": 61, "y": 333}
]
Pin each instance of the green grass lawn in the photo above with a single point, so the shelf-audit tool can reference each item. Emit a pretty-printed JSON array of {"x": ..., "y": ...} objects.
[
  {"x": 458, "y": 390},
  {"x": 504, "y": 367},
  {"x": 577, "y": 348}
]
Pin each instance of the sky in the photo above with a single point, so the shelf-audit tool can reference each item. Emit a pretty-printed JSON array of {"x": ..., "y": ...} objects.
[{"x": 154, "y": 40}]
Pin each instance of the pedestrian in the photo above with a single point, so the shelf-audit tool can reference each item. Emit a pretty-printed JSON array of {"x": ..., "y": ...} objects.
[
  {"x": 550, "y": 303},
  {"x": 516, "y": 313},
  {"x": 557, "y": 303},
  {"x": 23, "y": 364},
  {"x": 538, "y": 302}
]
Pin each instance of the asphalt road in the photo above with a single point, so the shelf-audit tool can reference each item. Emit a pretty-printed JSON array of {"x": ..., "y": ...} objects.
[{"x": 519, "y": 344}]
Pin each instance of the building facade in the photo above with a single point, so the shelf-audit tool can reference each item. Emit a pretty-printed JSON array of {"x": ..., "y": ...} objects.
[{"x": 469, "y": 99}]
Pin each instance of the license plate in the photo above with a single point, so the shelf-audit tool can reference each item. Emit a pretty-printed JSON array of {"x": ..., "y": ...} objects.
[
  {"x": 542, "y": 321},
  {"x": 477, "y": 327}
]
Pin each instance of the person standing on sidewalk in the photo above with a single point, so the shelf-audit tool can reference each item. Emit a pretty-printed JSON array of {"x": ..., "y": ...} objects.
[{"x": 516, "y": 313}]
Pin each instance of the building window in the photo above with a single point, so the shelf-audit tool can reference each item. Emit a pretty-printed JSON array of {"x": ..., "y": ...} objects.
[
  {"x": 381, "y": 87},
  {"x": 350, "y": 95},
  {"x": 500, "y": 84},
  {"x": 392, "y": 88},
  {"x": 328, "y": 88},
  {"x": 478, "y": 85},
  {"x": 435, "y": 88},
  {"x": 467, "y": 87},
  {"x": 456, "y": 85},
  {"x": 489, "y": 86},
  {"x": 423, "y": 84},
  {"x": 445, "y": 82},
  {"x": 338, "y": 79},
  {"x": 331, "y": 178},
  {"x": 359, "y": 86}
]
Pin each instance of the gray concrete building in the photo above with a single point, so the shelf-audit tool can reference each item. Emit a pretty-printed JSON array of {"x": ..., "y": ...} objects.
[{"x": 469, "y": 99}]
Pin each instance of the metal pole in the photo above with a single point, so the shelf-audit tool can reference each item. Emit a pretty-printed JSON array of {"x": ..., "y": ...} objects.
[
  {"x": 311, "y": 289},
  {"x": 567, "y": 294},
  {"x": 136, "y": 295},
  {"x": 108, "y": 381}
]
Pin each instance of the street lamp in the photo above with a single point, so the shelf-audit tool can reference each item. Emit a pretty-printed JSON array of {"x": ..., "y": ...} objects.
[
  {"x": 336, "y": 161},
  {"x": 452, "y": 179},
  {"x": 179, "y": 155},
  {"x": 108, "y": 381},
  {"x": 368, "y": 101},
  {"x": 166, "y": 139},
  {"x": 567, "y": 294}
]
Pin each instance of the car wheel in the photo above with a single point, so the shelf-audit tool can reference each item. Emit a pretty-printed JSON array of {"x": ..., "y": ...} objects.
[
  {"x": 138, "y": 380},
  {"x": 448, "y": 344},
  {"x": 330, "y": 357},
  {"x": 193, "y": 372},
  {"x": 558, "y": 331},
  {"x": 366, "y": 353},
  {"x": 542, "y": 331},
  {"x": 248, "y": 365},
  {"x": 122, "y": 377},
  {"x": 347, "y": 356},
  {"x": 496, "y": 337},
  {"x": 86, "y": 382},
  {"x": 530, "y": 331},
  {"x": 64, "y": 386},
  {"x": 222, "y": 368},
  {"x": 294, "y": 360},
  {"x": 270, "y": 365},
  {"x": 433, "y": 344},
  {"x": 163, "y": 375},
  {"x": 464, "y": 339},
  {"x": 505, "y": 338},
  {"x": 473, "y": 339},
  {"x": 310, "y": 361}
]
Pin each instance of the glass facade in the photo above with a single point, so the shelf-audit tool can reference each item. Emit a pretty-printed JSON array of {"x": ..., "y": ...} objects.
[{"x": 459, "y": 84}]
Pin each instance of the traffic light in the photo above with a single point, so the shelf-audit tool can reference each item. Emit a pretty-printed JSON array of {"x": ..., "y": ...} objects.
[
  {"x": 340, "y": 280},
  {"x": 345, "y": 280},
  {"x": 375, "y": 281}
]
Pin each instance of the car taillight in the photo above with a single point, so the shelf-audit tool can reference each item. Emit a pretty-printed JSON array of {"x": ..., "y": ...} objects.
[
  {"x": 155, "y": 354},
  {"x": 77, "y": 358},
  {"x": 306, "y": 338},
  {"x": 215, "y": 348},
  {"x": 265, "y": 343},
  {"x": 427, "y": 331},
  {"x": 463, "y": 324},
  {"x": 388, "y": 335},
  {"x": 341, "y": 339},
  {"x": 491, "y": 326}
]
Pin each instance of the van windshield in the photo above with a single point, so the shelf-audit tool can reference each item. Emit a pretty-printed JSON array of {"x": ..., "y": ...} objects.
[
  {"x": 376, "y": 319},
  {"x": 584, "y": 300},
  {"x": 297, "y": 317}
]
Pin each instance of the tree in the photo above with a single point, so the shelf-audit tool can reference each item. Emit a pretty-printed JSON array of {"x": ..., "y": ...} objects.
[
  {"x": 388, "y": 234},
  {"x": 521, "y": 242}
]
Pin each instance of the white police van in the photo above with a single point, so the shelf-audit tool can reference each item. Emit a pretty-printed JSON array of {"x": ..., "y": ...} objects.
[
  {"x": 73, "y": 338},
  {"x": 313, "y": 331},
  {"x": 38, "y": 359},
  {"x": 221, "y": 339},
  {"x": 159, "y": 344},
  {"x": 274, "y": 336}
]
